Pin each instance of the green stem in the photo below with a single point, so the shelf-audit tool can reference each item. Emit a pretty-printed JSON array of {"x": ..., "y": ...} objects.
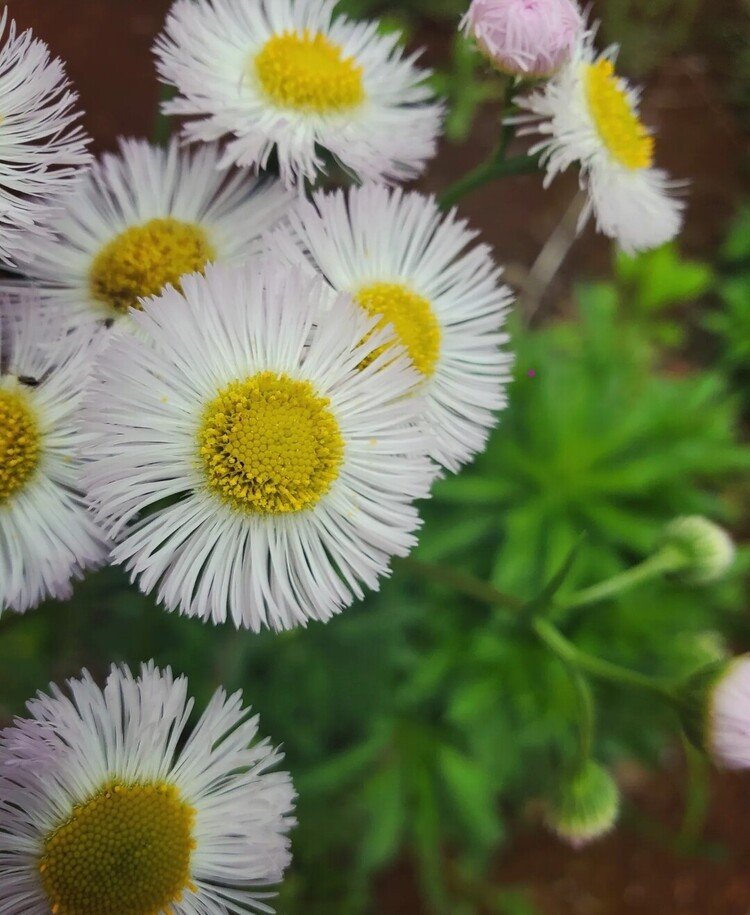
[
  {"x": 586, "y": 714},
  {"x": 551, "y": 636},
  {"x": 488, "y": 171},
  {"x": 462, "y": 582},
  {"x": 660, "y": 563}
]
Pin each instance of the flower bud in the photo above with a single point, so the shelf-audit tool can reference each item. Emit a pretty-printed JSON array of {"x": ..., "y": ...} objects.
[
  {"x": 527, "y": 38},
  {"x": 706, "y": 548},
  {"x": 585, "y": 807},
  {"x": 714, "y": 705}
]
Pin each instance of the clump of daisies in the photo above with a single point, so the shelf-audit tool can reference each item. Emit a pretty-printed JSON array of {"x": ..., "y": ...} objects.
[
  {"x": 110, "y": 802},
  {"x": 290, "y": 79},
  {"x": 42, "y": 147},
  {"x": 48, "y": 538},
  {"x": 140, "y": 220}
]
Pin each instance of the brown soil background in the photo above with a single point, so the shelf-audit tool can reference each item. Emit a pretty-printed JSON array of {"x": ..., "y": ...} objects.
[{"x": 107, "y": 46}]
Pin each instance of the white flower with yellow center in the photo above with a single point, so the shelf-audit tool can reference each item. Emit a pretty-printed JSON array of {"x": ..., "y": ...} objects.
[
  {"x": 47, "y": 537},
  {"x": 289, "y": 76},
  {"x": 405, "y": 261},
  {"x": 141, "y": 220},
  {"x": 42, "y": 149},
  {"x": 589, "y": 116},
  {"x": 110, "y": 804},
  {"x": 249, "y": 469}
]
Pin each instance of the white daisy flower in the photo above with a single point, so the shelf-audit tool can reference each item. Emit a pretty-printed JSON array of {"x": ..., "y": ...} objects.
[
  {"x": 41, "y": 147},
  {"x": 287, "y": 76},
  {"x": 109, "y": 803},
  {"x": 589, "y": 115},
  {"x": 400, "y": 257},
  {"x": 47, "y": 538},
  {"x": 141, "y": 220},
  {"x": 253, "y": 467}
]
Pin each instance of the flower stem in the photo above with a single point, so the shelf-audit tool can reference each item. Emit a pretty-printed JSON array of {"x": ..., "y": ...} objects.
[
  {"x": 661, "y": 563},
  {"x": 488, "y": 171},
  {"x": 462, "y": 582},
  {"x": 569, "y": 653}
]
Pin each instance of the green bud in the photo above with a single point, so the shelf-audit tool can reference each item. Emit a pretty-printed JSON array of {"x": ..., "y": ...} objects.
[
  {"x": 585, "y": 807},
  {"x": 706, "y": 550}
]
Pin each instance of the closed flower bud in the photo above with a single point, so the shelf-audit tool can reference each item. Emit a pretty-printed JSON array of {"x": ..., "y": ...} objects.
[
  {"x": 527, "y": 38},
  {"x": 715, "y": 708},
  {"x": 706, "y": 549},
  {"x": 585, "y": 806}
]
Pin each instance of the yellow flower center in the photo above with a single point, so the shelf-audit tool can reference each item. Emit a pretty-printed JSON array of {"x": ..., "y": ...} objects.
[
  {"x": 412, "y": 319},
  {"x": 142, "y": 260},
  {"x": 126, "y": 850},
  {"x": 20, "y": 442},
  {"x": 621, "y": 130},
  {"x": 270, "y": 445},
  {"x": 308, "y": 72}
]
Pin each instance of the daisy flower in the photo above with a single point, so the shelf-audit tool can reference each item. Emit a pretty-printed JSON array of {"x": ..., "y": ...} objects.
[
  {"x": 249, "y": 467},
  {"x": 589, "y": 115},
  {"x": 287, "y": 76},
  {"x": 47, "y": 538},
  {"x": 109, "y": 803},
  {"x": 41, "y": 147},
  {"x": 141, "y": 220},
  {"x": 404, "y": 260}
]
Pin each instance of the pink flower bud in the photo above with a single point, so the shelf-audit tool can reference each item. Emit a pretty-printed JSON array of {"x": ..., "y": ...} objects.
[{"x": 531, "y": 38}]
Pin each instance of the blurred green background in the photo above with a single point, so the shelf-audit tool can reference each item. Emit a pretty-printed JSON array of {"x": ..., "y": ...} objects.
[{"x": 421, "y": 728}]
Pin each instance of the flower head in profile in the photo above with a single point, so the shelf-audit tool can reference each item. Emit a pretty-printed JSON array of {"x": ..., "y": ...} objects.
[
  {"x": 47, "y": 537},
  {"x": 400, "y": 258},
  {"x": 588, "y": 116},
  {"x": 141, "y": 219},
  {"x": 526, "y": 38},
  {"x": 715, "y": 708},
  {"x": 290, "y": 78},
  {"x": 110, "y": 803},
  {"x": 254, "y": 452},
  {"x": 42, "y": 149},
  {"x": 704, "y": 550}
]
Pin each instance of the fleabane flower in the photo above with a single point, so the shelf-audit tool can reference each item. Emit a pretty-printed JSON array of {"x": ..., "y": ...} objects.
[
  {"x": 47, "y": 537},
  {"x": 704, "y": 550},
  {"x": 141, "y": 219},
  {"x": 714, "y": 705},
  {"x": 287, "y": 76},
  {"x": 109, "y": 802},
  {"x": 585, "y": 806},
  {"x": 589, "y": 116},
  {"x": 42, "y": 149},
  {"x": 526, "y": 38},
  {"x": 254, "y": 453},
  {"x": 400, "y": 258}
]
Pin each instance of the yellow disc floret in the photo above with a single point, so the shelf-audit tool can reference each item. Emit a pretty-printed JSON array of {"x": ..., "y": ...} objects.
[
  {"x": 20, "y": 441},
  {"x": 308, "y": 72},
  {"x": 270, "y": 444},
  {"x": 143, "y": 259},
  {"x": 411, "y": 317},
  {"x": 619, "y": 126},
  {"x": 126, "y": 850}
]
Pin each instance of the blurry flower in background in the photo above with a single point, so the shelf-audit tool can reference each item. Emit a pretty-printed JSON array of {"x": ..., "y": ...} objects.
[
  {"x": 108, "y": 805},
  {"x": 525, "y": 38},
  {"x": 714, "y": 705},
  {"x": 266, "y": 451},
  {"x": 287, "y": 77},
  {"x": 706, "y": 549},
  {"x": 47, "y": 537},
  {"x": 142, "y": 219},
  {"x": 589, "y": 116},
  {"x": 41, "y": 148},
  {"x": 401, "y": 258},
  {"x": 586, "y": 806}
]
